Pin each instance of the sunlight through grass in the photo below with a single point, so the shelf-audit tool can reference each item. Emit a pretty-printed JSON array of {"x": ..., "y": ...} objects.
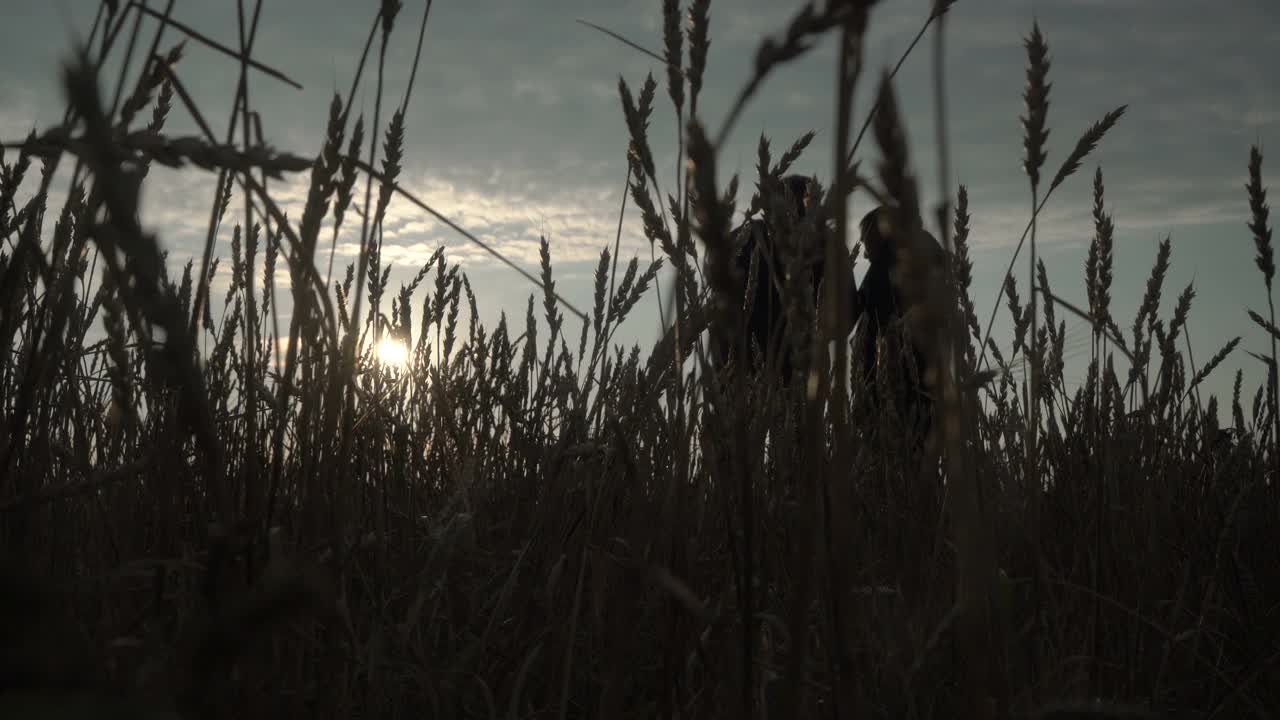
[{"x": 393, "y": 353}]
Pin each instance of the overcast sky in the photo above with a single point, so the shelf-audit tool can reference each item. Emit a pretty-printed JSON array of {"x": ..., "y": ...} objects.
[{"x": 515, "y": 128}]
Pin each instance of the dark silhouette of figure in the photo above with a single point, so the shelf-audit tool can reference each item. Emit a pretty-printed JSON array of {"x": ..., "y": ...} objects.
[
  {"x": 884, "y": 309},
  {"x": 878, "y": 302},
  {"x": 767, "y": 326}
]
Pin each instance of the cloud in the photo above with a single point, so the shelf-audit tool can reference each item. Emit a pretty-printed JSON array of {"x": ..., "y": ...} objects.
[
  {"x": 18, "y": 114},
  {"x": 541, "y": 90},
  {"x": 526, "y": 137}
]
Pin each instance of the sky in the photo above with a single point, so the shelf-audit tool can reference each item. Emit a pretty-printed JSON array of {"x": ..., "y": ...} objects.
[{"x": 515, "y": 130}]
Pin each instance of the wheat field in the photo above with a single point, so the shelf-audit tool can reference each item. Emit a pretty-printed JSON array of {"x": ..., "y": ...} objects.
[{"x": 368, "y": 508}]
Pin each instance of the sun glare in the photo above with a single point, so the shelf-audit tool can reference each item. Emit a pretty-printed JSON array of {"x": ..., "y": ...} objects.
[{"x": 393, "y": 353}]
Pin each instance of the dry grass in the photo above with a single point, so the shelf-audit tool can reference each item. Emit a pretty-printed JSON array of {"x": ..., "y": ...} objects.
[{"x": 534, "y": 521}]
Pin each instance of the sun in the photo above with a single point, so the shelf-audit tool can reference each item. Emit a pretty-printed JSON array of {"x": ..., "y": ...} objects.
[{"x": 393, "y": 353}]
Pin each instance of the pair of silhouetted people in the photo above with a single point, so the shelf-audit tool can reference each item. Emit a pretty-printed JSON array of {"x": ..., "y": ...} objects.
[{"x": 879, "y": 301}]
